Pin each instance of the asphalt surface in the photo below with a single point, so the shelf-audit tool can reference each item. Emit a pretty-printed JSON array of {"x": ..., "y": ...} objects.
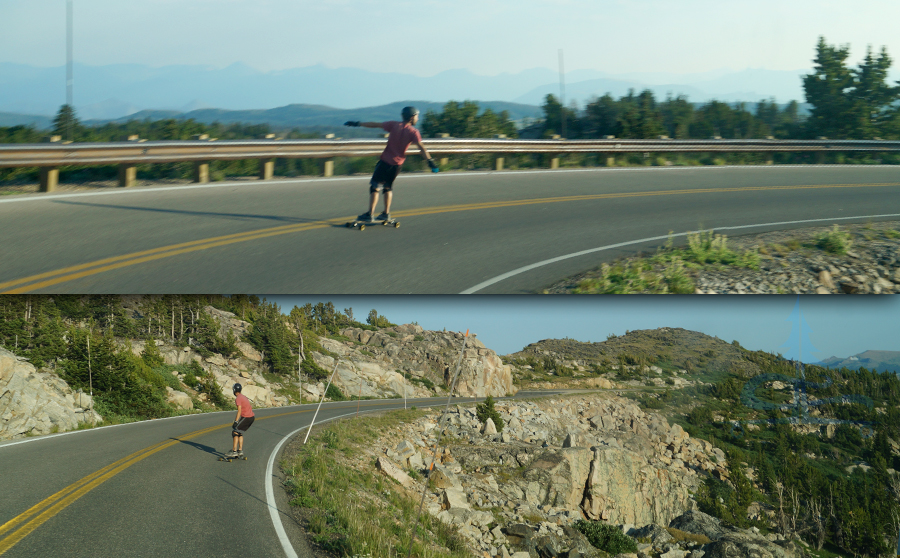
[
  {"x": 157, "y": 489},
  {"x": 459, "y": 232}
]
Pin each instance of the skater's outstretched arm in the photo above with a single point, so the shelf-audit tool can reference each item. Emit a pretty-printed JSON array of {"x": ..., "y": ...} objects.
[
  {"x": 425, "y": 154},
  {"x": 355, "y": 123}
]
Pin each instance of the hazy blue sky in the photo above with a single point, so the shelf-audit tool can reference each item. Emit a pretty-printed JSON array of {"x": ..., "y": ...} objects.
[
  {"x": 424, "y": 37},
  {"x": 838, "y": 326}
]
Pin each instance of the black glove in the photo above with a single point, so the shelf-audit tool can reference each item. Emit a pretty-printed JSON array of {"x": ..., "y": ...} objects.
[
  {"x": 433, "y": 165},
  {"x": 234, "y": 425},
  {"x": 354, "y": 123}
]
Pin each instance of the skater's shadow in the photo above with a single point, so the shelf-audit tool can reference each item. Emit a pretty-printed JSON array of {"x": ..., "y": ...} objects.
[
  {"x": 258, "y": 499},
  {"x": 200, "y": 447}
]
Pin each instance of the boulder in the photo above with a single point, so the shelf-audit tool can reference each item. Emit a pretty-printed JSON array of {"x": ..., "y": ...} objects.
[
  {"x": 35, "y": 403},
  {"x": 560, "y": 476},
  {"x": 657, "y": 534},
  {"x": 454, "y": 498},
  {"x": 179, "y": 399},
  {"x": 385, "y": 466}
]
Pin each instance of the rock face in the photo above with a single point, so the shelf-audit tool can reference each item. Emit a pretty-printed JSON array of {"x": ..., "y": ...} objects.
[
  {"x": 731, "y": 542},
  {"x": 33, "y": 402},
  {"x": 423, "y": 355}
]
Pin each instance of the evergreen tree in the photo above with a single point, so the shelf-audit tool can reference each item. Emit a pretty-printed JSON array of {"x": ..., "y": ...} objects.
[{"x": 66, "y": 123}]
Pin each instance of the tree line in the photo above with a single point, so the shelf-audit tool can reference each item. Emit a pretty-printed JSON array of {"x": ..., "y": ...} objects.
[
  {"x": 846, "y": 103},
  {"x": 87, "y": 340},
  {"x": 805, "y": 477}
]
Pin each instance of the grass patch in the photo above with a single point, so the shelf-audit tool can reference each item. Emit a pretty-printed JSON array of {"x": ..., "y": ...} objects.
[
  {"x": 835, "y": 241},
  {"x": 353, "y": 511},
  {"x": 681, "y": 536}
]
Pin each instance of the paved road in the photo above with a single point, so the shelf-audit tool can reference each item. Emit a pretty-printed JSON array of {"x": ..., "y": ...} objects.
[
  {"x": 461, "y": 232},
  {"x": 157, "y": 489}
]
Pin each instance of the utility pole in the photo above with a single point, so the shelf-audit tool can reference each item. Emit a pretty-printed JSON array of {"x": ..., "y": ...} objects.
[
  {"x": 562, "y": 95},
  {"x": 69, "y": 77}
]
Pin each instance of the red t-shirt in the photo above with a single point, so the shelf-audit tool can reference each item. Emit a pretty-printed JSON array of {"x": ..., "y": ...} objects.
[
  {"x": 244, "y": 405},
  {"x": 401, "y": 135}
]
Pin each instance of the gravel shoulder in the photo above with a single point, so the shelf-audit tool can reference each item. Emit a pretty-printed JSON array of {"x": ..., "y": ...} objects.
[{"x": 850, "y": 259}]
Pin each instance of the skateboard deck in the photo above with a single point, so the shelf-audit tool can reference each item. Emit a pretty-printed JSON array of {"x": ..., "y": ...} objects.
[
  {"x": 361, "y": 225},
  {"x": 230, "y": 459}
]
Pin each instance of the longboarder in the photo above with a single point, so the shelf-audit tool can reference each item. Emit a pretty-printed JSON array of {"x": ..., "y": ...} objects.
[
  {"x": 400, "y": 136},
  {"x": 242, "y": 422}
]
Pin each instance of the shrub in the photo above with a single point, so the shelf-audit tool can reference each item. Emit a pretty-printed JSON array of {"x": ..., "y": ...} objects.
[
  {"x": 607, "y": 538},
  {"x": 334, "y": 393},
  {"x": 485, "y": 411},
  {"x": 151, "y": 355},
  {"x": 835, "y": 241}
]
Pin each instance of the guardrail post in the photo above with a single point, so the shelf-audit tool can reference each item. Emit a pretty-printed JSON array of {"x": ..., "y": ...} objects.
[
  {"x": 50, "y": 175},
  {"x": 498, "y": 162},
  {"x": 127, "y": 175},
  {"x": 444, "y": 160},
  {"x": 770, "y": 158},
  {"x": 201, "y": 172},
  {"x": 266, "y": 169},
  {"x": 820, "y": 155},
  {"x": 610, "y": 160},
  {"x": 329, "y": 167},
  {"x": 554, "y": 163}
]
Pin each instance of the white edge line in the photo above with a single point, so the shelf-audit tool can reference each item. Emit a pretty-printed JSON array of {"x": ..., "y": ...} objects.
[
  {"x": 507, "y": 275},
  {"x": 182, "y": 187}
]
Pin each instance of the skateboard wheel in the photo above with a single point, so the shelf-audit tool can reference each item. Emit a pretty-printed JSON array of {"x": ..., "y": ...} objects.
[
  {"x": 362, "y": 227},
  {"x": 396, "y": 224}
]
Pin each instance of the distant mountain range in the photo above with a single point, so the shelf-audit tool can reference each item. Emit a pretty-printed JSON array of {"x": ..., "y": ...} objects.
[
  {"x": 882, "y": 361},
  {"x": 114, "y": 91}
]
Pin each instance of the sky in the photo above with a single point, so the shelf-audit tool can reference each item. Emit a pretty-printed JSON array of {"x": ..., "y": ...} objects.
[
  {"x": 425, "y": 37},
  {"x": 835, "y": 326}
]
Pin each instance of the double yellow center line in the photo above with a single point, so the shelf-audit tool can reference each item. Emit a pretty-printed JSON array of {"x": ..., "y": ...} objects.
[{"x": 50, "y": 278}]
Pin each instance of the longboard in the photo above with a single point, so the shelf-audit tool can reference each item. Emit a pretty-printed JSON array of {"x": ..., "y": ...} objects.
[
  {"x": 361, "y": 225},
  {"x": 230, "y": 459}
]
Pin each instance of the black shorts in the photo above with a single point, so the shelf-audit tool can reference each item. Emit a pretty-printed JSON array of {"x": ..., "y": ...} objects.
[
  {"x": 244, "y": 424},
  {"x": 384, "y": 174}
]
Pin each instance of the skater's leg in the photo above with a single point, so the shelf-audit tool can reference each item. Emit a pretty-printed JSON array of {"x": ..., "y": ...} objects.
[
  {"x": 373, "y": 200},
  {"x": 388, "y": 196},
  {"x": 240, "y": 444}
]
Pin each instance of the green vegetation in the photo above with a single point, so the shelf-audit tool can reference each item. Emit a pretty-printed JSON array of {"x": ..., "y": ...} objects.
[
  {"x": 486, "y": 411},
  {"x": 54, "y": 332},
  {"x": 350, "y": 512},
  {"x": 667, "y": 271},
  {"x": 608, "y": 538},
  {"x": 835, "y": 241}
]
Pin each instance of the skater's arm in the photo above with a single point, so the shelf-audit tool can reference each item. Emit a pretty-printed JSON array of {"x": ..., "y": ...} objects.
[
  {"x": 425, "y": 154},
  {"x": 355, "y": 123}
]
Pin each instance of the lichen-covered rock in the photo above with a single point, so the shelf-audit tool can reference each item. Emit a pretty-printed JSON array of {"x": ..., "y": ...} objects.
[{"x": 33, "y": 402}]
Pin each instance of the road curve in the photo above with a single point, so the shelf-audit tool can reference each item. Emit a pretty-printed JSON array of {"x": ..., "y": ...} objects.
[
  {"x": 157, "y": 489},
  {"x": 484, "y": 232}
]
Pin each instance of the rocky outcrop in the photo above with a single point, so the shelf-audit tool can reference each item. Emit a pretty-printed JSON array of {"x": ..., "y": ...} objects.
[
  {"x": 555, "y": 462},
  {"x": 379, "y": 360},
  {"x": 33, "y": 403},
  {"x": 732, "y": 542}
]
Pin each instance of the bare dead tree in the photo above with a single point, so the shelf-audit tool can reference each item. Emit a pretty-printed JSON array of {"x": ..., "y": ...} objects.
[
  {"x": 818, "y": 525},
  {"x": 781, "y": 517}
]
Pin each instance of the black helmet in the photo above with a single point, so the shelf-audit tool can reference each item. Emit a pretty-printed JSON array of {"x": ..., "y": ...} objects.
[
  {"x": 236, "y": 388},
  {"x": 409, "y": 112}
]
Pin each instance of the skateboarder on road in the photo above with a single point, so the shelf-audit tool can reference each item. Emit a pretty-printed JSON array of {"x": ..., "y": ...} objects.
[
  {"x": 401, "y": 135},
  {"x": 242, "y": 422}
]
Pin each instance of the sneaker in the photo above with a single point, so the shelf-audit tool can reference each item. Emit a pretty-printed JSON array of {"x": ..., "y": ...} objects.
[
  {"x": 367, "y": 216},
  {"x": 240, "y": 453},
  {"x": 384, "y": 216},
  {"x": 231, "y": 453}
]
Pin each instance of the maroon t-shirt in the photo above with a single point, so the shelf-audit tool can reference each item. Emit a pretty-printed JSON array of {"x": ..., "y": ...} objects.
[
  {"x": 401, "y": 135},
  {"x": 244, "y": 405}
]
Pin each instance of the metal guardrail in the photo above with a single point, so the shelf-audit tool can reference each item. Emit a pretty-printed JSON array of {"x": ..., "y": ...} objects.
[{"x": 50, "y": 156}]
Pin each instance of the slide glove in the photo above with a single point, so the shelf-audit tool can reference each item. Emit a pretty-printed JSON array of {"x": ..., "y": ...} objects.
[
  {"x": 433, "y": 165},
  {"x": 234, "y": 425},
  {"x": 354, "y": 123}
]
